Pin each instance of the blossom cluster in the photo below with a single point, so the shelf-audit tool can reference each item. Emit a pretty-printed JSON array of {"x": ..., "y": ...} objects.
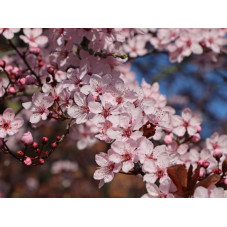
[
  {"x": 83, "y": 76},
  {"x": 179, "y": 43}
]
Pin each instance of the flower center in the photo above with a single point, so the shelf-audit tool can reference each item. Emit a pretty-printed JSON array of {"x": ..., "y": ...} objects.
[
  {"x": 160, "y": 173},
  {"x": 127, "y": 132},
  {"x": 6, "y": 125},
  {"x": 119, "y": 100},
  {"x": 186, "y": 124},
  {"x": 86, "y": 109},
  {"x": 105, "y": 113},
  {"x": 127, "y": 156}
]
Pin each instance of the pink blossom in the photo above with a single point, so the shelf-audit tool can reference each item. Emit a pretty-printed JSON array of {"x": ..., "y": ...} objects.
[
  {"x": 81, "y": 110},
  {"x": 135, "y": 47},
  {"x": 213, "y": 192},
  {"x": 33, "y": 37},
  {"x": 39, "y": 106},
  {"x": 154, "y": 160},
  {"x": 107, "y": 168},
  {"x": 217, "y": 144},
  {"x": 187, "y": 123},
  {"x": 9, "y": 125},
  {"x": 163, "y": 191},
  {"x": 124, "y": 152},
  {"x": 8, "y": 33}
]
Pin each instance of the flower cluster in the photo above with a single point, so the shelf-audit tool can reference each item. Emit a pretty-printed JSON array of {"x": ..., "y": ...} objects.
[{"x": 79, "y": 76}]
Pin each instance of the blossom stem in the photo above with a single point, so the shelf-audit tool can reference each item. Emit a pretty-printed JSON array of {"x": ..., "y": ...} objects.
[{"x": 25, "y": 62}]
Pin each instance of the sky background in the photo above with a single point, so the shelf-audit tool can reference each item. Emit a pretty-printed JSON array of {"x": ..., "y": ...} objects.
[{"x": 203, "y": 86}]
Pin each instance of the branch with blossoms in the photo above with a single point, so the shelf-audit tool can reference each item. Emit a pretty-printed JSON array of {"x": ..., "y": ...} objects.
[{"x": 79, "y": 76}]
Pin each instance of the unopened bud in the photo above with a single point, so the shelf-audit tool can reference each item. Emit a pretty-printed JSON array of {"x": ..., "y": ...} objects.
[
  {"x": 20, "y": 153},
  {"x": 2, "y": 64},
  {"x": 44, "y": 139},
  {"x": 27, "y": 138},
  {"x": 12, "y": 90},
  {"x": 27, "y": 161},
  {"x": 199, "y": 128},
  {"x": 168, "y": 139},
  {"x": 34, "y": 50},
  {"x": 201, "y": 173},
  {"x": 41, "y": 161},
  {"x": 206, "y": 164},
  {"x": 51, "y": 70},
  {"x": 54, "y": 145},
  {"x": 217, "y": 153},
  {"x": 22, "y": 81},
  {"x": 225, "y": 181},
  {"x": 196, "y": 138},
  {"x": 35, "y": 144}
]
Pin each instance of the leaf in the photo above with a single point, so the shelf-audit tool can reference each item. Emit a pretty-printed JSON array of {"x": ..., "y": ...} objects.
[
  {"x": 178, "y": 175},
  {"x": 148, "y": 129},
  {"x": 224, "y": 166},
  {"x": 209, "y": 181}
]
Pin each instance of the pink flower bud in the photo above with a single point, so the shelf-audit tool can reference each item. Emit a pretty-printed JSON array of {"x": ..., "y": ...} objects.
[
  {"x": 199, "y": 128},
  {"x": 27, "y": 138},
  {"x": 12, "y": 90},
  {"x": 16, "y": 71},
  {"x": 20, "y": 153},
  {"x": 206, "y": 164},
  {"x": 45, "y": 139},
  {"x": 30, "y": 79},
  {"x": 34, "y": 50},
  {"x": 196, "y": 138},
  {"x": 225, "y": 181},
  {"x": 54, "y": 145},
  {"x": 22, "y": 81},
  {"x": 27, "y": 161},
  {"x": 35, "y": 145},
  {"x": 41, "y": 161},
  {"x": 51, "y": 70},
  {"x": 217, "y": 153},
  {"x": 168, "y": 139},
  {"x": 201, "y": 173},
  {"x": 201, "y": 162},
  {"x": 2, "y": 64}
]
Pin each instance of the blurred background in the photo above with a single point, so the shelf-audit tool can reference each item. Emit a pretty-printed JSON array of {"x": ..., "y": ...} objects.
[{"x": 197, "y": 82}]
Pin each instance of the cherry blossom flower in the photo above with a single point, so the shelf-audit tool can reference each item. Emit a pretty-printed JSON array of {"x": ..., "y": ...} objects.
[
  {"x": 9, "y": 124},
  {"x": 8, "y": 33},
  {"x": 124, "y": 152},
  {"x": 213, "y": 192},
  {"x": 81, "y": 110},
  {"x": 107, "y": 168},
  {"x": 155, "y": 161},
  {"x": 33, "y": 37},
  {"x": 77, "y": 78},
  {"x": 39, "y": 106},
  {"x": 135, "y": 47},
  {"x": 163, "y": 191},
  {"x": 187, "y": 123},
  {"x": 213, "y": 40},
  {"x": 126, "y": 125},
  {"x": 217, "y": 144}
]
